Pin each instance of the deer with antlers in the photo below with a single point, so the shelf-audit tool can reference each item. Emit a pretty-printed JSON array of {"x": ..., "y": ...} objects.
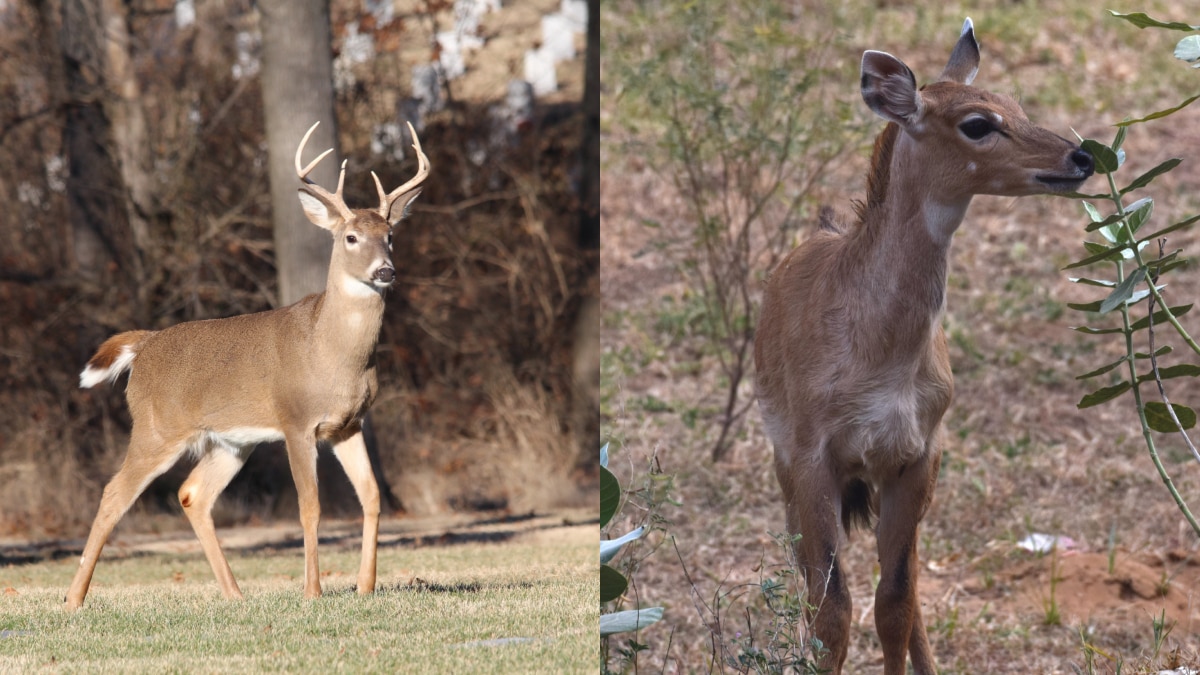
[
  {"x": 853, "y": 373},
  {"x": 303, "y": 374}
]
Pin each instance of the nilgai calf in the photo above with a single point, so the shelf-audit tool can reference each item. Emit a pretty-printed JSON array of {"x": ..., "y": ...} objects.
[{"x": 853, "y": 373}]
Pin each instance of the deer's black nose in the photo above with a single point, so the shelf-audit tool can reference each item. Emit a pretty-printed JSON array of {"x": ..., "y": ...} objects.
[
  {"x": 385, "y": 274},
  {"x": 1083, "y": 159}
]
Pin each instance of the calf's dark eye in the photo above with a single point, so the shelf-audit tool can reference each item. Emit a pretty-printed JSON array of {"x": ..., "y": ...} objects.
[{"x": 976, "y": 128}]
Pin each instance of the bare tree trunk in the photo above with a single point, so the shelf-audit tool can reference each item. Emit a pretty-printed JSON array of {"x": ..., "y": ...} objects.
[
  {"x": 589, "y": 225},
  {"x": 101, "y": 208},
  {"x": 297, "y": 86},
  {"x": 297, "y": 90},
  {"x": 129, "y": 131},
  {"x": 586, "y": 346}
]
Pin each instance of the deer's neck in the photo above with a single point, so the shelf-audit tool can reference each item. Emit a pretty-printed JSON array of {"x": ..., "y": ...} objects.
[
  {"x": 902, "y": 244},
  {"x": 347, "y": 326}
]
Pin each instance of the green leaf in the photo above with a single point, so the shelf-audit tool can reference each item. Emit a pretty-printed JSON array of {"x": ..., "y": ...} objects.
[
  {"x": 1123, "y": 291},
  {"x": 1168, "y": 258},
  {"x": 612, "y": 584},
  {"x": 1188, "y": 50},
  {"x": 1160, "y": 316},
  {"x": 1158, "y": 419},
  {"x": 1141, "y": 20},
  {"x": 1096, "y": 249},
  {"x": 1081, "y": 195},
  {"x": 1169, "y": 266},
  {"x": 629, "y": 620},
  {"x": 1088, "y": 330},
  {"x": 1120, "y": 138},
  {"x": 1092, "y": 213},
  {"x": 1170, "y": 372},
  {"x": 1170, "y": 228},
  {"x": 1144, "y": 179},
  {"x": 1136, "y": 215},
  {"x": 1103, "y": 254},
  {"x": 1138, "y": 297},
  {"x": 1103, "y": 395},
  {"x": 1161, "y": 113},
  {"x": 1106, "y": 159},
  {"x": 609, "y": 548},
  {"x": 1093, "y": 306},
  {"x": 1098, "y": 223},
  {"x": 1092, "y": 282},
  {"x": 610, "y": 495},
  {"x": 1103, "y": 369},
  {"x": 1165, "y": 349}
]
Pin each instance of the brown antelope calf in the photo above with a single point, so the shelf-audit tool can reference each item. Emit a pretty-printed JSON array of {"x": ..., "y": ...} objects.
[
  {"x": 303, "y": 374},
  {"x": 853, "y": 371}
]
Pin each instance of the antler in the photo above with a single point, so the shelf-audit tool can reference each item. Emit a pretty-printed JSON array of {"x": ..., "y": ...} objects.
[
  {"x": 387, "y": 199},
  {"x": 334, "y": 199}
]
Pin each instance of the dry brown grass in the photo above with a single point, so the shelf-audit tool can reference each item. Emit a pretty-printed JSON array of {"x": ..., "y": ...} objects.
[{"x": 1019, "y": 457}]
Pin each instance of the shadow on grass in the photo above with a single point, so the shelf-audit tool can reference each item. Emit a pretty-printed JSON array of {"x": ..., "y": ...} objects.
[{"x": 57, "y": 549}]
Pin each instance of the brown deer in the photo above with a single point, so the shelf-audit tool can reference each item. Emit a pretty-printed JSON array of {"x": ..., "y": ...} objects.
[
  {"x": 303, "y": 374},
  {"x": 853, "y": 371}
]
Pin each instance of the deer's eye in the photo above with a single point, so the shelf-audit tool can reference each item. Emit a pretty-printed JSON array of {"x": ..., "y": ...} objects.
[
  {"x": 351, "y": 239},
  {"x": 976, "y": 128}
]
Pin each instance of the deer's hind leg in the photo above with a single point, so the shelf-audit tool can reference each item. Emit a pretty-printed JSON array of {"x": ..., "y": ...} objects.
[
  {"x": 146, "y": 459},
  {"x": 217, "y": 466}
]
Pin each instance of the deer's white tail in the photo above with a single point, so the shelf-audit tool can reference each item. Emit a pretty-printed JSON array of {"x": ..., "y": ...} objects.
[{"x": 113, "y": 357}]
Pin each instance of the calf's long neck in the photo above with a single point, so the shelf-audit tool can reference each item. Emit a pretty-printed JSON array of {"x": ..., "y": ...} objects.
[{"x": 900, "y": 250}]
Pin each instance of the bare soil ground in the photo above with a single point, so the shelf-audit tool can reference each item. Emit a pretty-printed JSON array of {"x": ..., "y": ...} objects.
[{"x": 1020, "y": 458}]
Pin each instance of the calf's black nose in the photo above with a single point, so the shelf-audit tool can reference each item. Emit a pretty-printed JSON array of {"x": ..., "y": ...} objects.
[{"x": 1083, "y": 159}]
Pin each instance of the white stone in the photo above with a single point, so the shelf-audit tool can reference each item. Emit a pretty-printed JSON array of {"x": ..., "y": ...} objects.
[
  {"x": 185, "y": 13},
  {"x": 576, "y": 12},
  {"x": 558, "y": 37},
  {"x": 539, "y": 72}
]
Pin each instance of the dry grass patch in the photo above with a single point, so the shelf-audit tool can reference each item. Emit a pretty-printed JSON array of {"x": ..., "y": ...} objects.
[{"x": 525, "y": 604}]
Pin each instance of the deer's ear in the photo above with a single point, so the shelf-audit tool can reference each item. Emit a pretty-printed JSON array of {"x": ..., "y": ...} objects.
[
  {"x": 401, "y": 206},
  {"x": 964, "y": 60},
  {"x": 322, "y": 214},
  {"x": 889, "y": 88}
]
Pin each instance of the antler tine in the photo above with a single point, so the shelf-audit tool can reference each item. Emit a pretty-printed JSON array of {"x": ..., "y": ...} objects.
[
  {"x": 384, "y": 204},
  {"x": 335, "y": 198},
  {"x": 386, "y": 199},
  {"x": 303, "y": 173}
]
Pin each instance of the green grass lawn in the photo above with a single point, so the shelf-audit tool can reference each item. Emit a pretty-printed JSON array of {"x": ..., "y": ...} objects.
[{"x": 526, "y": 605}]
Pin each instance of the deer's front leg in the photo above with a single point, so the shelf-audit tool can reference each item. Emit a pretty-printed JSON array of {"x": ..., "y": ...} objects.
[
  {"x": 352, "y": 453},
  {"x": 302, "y": 457}
]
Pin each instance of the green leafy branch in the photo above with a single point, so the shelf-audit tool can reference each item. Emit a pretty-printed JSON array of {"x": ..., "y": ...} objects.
[{"x": 1137, "y": 279}]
